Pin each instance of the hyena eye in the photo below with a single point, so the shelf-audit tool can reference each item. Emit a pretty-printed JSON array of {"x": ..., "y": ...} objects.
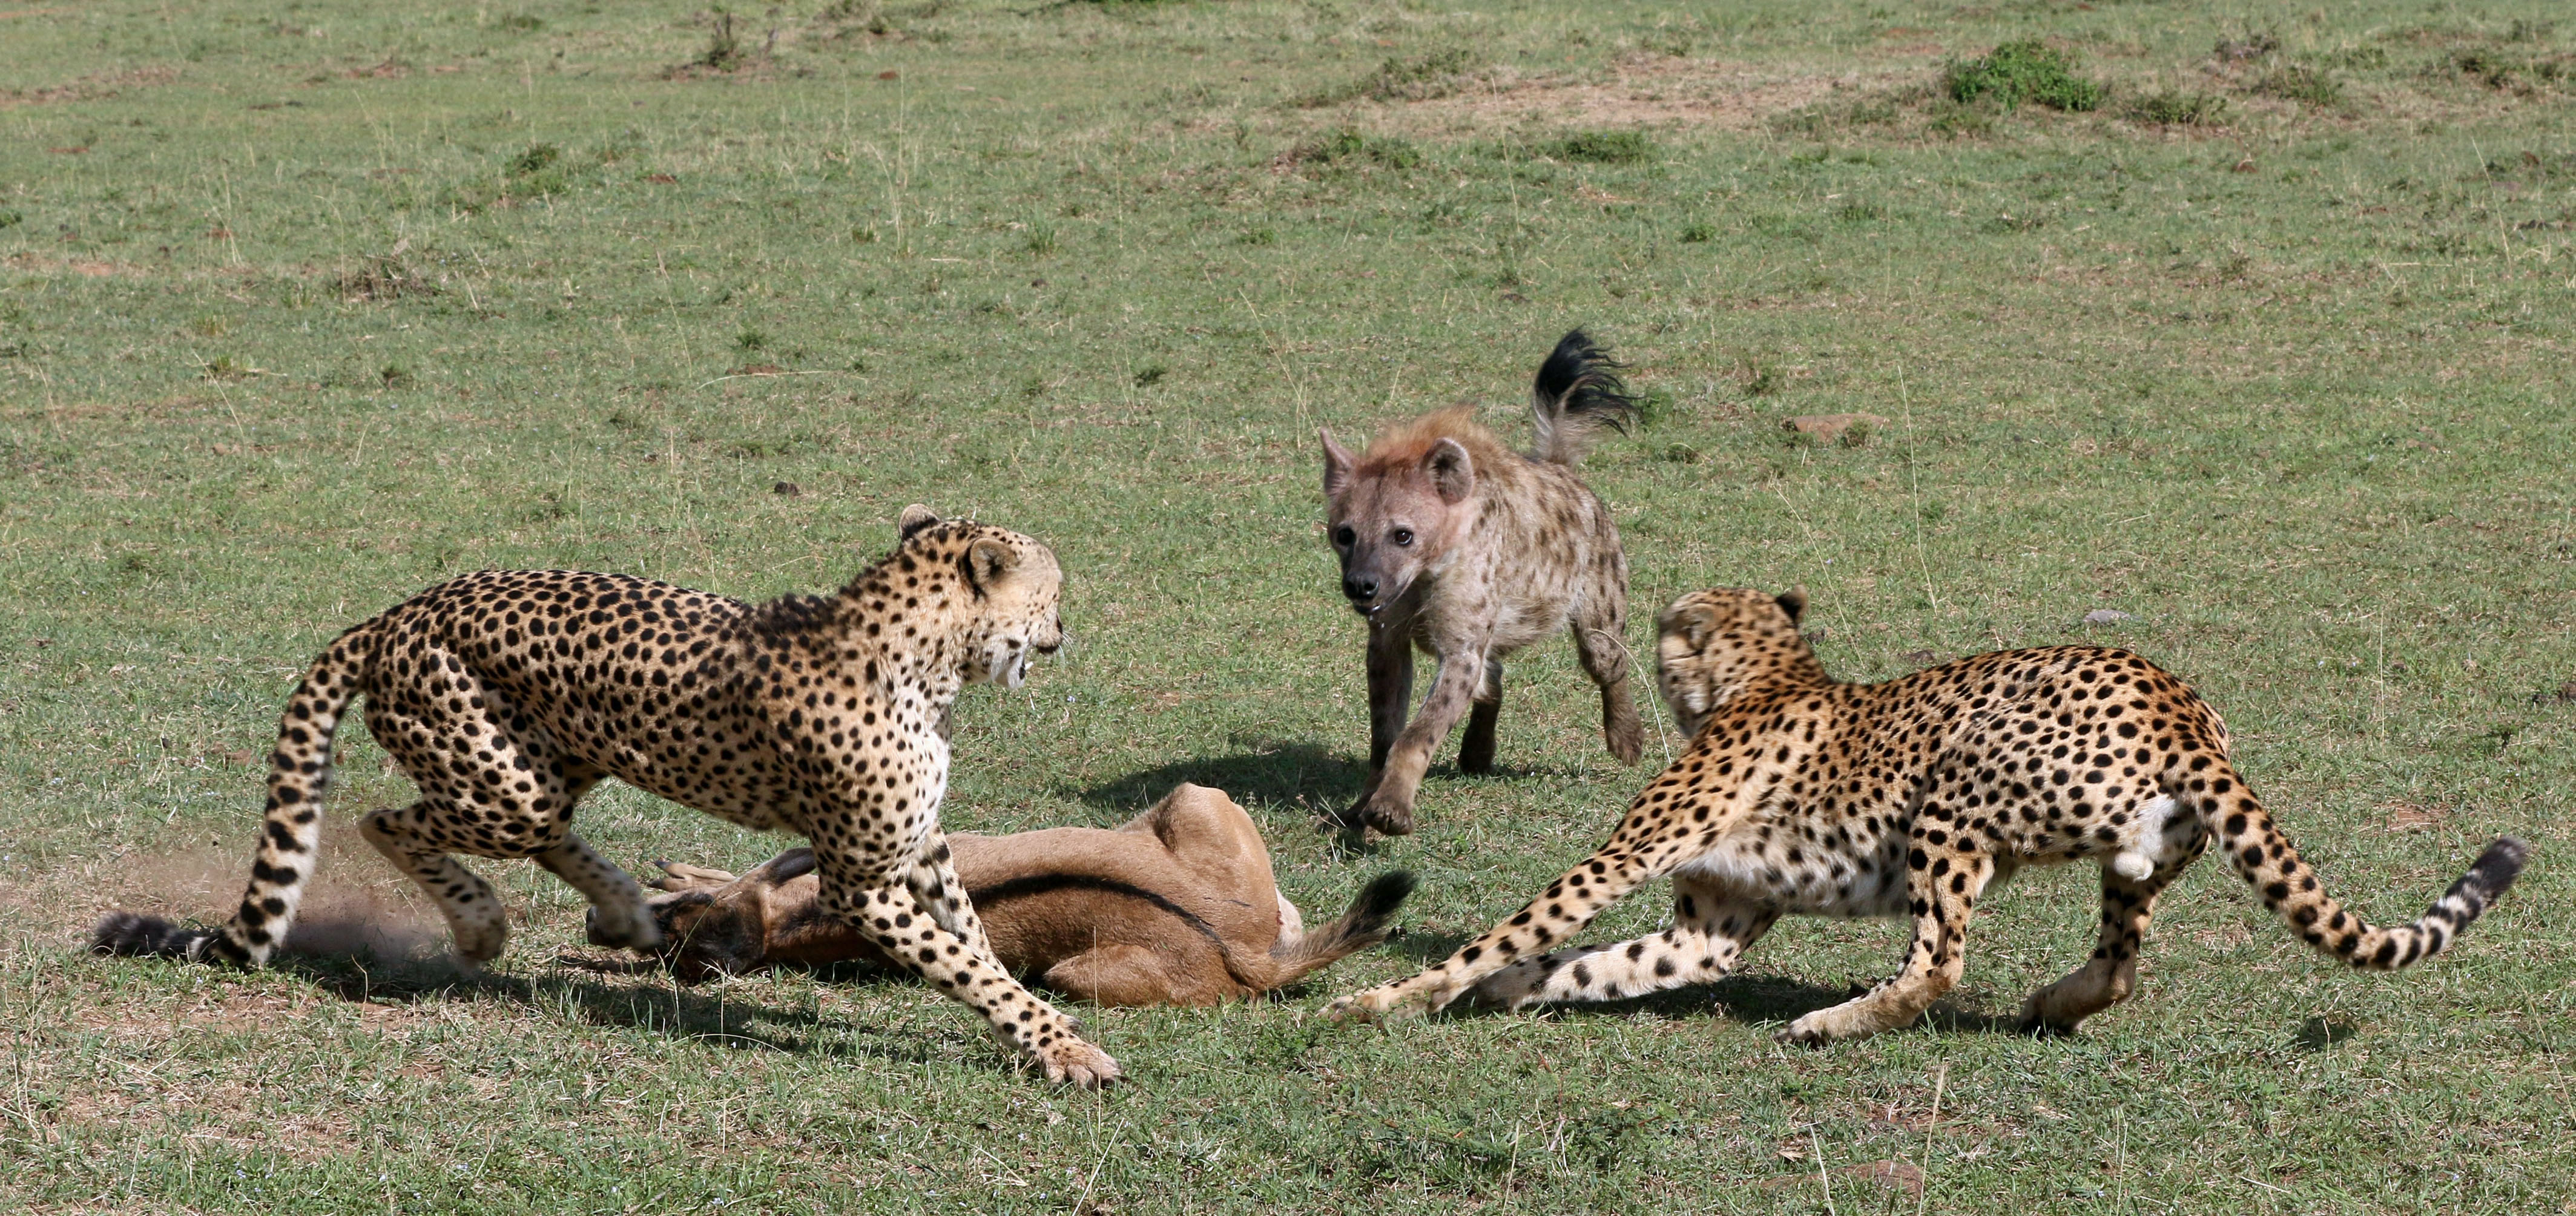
[
  {"x": 1343, "y": 536},
  {"x": 1404, "y": 536}
]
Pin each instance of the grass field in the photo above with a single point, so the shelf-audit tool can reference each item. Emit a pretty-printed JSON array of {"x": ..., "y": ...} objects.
[{"x": 305, "y": 306}]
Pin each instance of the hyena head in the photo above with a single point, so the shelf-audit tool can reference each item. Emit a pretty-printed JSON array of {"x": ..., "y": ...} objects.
[{"x": 1394, "y": 511}]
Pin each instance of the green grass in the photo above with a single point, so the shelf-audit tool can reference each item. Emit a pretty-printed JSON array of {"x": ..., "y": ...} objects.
[{"x": 296, "y": 318}]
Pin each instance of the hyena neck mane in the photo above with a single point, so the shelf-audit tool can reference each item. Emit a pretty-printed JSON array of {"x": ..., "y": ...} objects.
[{"x": 1409, "y": 446}]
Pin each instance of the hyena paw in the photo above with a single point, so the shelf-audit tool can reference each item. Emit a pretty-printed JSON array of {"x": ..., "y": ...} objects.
[
  {"x": 1626, "y": 739},
  {"x": 1386, "y": 813}
]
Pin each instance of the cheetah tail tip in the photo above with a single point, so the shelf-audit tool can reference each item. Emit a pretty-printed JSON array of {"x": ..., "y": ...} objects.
[
  {"x": 2497, "y": 867},
  {"x": 134, "y": 934}
]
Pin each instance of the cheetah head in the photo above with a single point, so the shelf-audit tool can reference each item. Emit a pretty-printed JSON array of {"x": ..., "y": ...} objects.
[
  {"x": 1710, "y": 645},
  {"x": 1013, "y": 585}
]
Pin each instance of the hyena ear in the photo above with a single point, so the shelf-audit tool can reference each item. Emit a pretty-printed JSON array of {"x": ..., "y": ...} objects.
[
  {"x": 1338, "y": 463},
  {"x": 913, "y": 519},
  {"x": 985, "y": 562},
  {"x": 1794, "y": 602},
  {"x": 1453, "y": 474}
]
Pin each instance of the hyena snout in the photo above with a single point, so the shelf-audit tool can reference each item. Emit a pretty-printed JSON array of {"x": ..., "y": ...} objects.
[{"x": 1360, "y": 588}]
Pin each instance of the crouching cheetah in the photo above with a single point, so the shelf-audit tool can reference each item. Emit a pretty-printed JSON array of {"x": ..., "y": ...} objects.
[
  {"x": 506, "y": 695},
  {"x": 1803, "y": 795}
]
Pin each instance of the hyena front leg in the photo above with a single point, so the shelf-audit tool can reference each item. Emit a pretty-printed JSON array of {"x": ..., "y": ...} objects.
[
  {"x": 1389, "y": 804},
  {"x": 1390, "y": 687}
]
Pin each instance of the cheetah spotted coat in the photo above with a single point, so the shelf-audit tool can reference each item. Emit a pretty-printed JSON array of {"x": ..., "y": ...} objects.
[
  {"x": 1910, "y": 798},
  {"x": 507, "y": 695}
]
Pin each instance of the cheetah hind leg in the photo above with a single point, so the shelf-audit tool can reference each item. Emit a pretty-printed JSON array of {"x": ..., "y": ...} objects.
[
  {"x": 2112, "y": 973},
  {"x": 618, "y": 916},
  {"x": 474, "y": 920}
]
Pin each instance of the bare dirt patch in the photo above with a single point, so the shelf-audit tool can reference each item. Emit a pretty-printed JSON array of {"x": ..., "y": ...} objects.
[
  {"x": 88, "y": 88},
  {"x": 354, "y": 904},
  {"x": 1642, "y": 92}
]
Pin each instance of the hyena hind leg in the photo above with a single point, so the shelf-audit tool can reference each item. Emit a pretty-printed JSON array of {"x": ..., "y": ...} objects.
[
  {"x": 1604, "y": 654},
  {"x": 1476, "y": 753}
]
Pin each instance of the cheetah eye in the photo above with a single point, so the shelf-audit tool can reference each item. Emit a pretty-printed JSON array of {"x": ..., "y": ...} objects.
[
  {"x": 1403, "y": 536},
  {"x": 1343, "y": 536}
]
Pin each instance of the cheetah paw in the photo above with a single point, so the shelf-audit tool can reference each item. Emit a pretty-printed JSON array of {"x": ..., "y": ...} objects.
[
  {"x": 1079, "y": 1064},
  {"x": 633, "y": 928},
  {"x": 1812, "y": 1030},
  {"x": 1386, "y": 1002}
]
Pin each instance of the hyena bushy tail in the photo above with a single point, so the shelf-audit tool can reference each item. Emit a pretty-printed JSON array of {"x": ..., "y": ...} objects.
[
  {"x": 1577, "y": 393},
  {"x": 298, "y": 772},
  {"x": 2271, "y": 865},
  {"x": 1363, "y": 925}
]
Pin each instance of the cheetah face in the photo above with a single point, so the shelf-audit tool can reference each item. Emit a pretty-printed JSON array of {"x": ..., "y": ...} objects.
[
  {"x": 1710, "y": 644},
  {"x": 1021, "y": 585}
]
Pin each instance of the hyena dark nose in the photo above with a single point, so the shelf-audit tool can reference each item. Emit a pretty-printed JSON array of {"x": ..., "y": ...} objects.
[{"x": 1359, "y": 588}]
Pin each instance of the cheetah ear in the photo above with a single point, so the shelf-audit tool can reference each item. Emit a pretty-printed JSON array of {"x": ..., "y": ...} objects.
[
  {"x": 1794, "y": 602},
  {"x": 1338, "y": 463},
  {"x": 985, "y": 562},
  {"x": 1693, "y": 622},
  {"x": 1453, "y": 474},
  {"x": 913, "y": 519}
]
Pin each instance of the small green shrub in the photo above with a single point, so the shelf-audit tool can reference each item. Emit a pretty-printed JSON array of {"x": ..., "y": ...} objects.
[
  {"x": 1347, "y": 144},
  {"x": 2179, "y": 108},
  {"x": 2301, "y": 83},
  {"x": 1602, "y": 147},
  {"x": 1699, "y": 233},
  {"x": 537, "y": 159},
  {"x": 2016, "y": 72}
]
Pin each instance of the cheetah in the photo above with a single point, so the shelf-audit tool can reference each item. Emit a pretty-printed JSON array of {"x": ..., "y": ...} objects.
[
  {"x": 1451, "y": 542},
  {"x": 1800, "y": 794},
  {"x": 507, "y": 695}
]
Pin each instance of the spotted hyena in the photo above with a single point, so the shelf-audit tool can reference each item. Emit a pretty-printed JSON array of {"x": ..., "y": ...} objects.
[{"x": 1452, "y": 542}]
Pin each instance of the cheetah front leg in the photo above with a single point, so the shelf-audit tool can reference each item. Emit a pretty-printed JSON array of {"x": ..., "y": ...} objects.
[
  {"x": 1942, "y": 884},
  {"x": 1710, "y": 932},
  {"x": 935, "y": 886},
  {"x": 1560, "y": 912},
  {"x": 617, "y": 915},
  {"x": 879, "y": 903}
]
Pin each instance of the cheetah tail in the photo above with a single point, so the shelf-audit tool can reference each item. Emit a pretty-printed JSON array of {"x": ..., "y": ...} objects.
[
  {"x": 298, "y": 772},
  {"x": 2269, "y": 863},
  {"x": 1576, "y": 394},
  {"x": 1365, "y": 924}
]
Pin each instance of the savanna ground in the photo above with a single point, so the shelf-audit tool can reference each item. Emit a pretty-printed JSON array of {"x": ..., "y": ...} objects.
[{"x": 305, "y": 306}]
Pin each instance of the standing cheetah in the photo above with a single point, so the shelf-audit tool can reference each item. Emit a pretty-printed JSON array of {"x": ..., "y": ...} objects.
[
  {"x": 1910, "y": 798},
  {"x": 507, "y": 695}
]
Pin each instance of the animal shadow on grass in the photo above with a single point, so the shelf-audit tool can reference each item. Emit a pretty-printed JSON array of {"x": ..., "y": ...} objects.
[
  {"x": 1265, "y": 772},
  {"x": 716, "y": 1015}
]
